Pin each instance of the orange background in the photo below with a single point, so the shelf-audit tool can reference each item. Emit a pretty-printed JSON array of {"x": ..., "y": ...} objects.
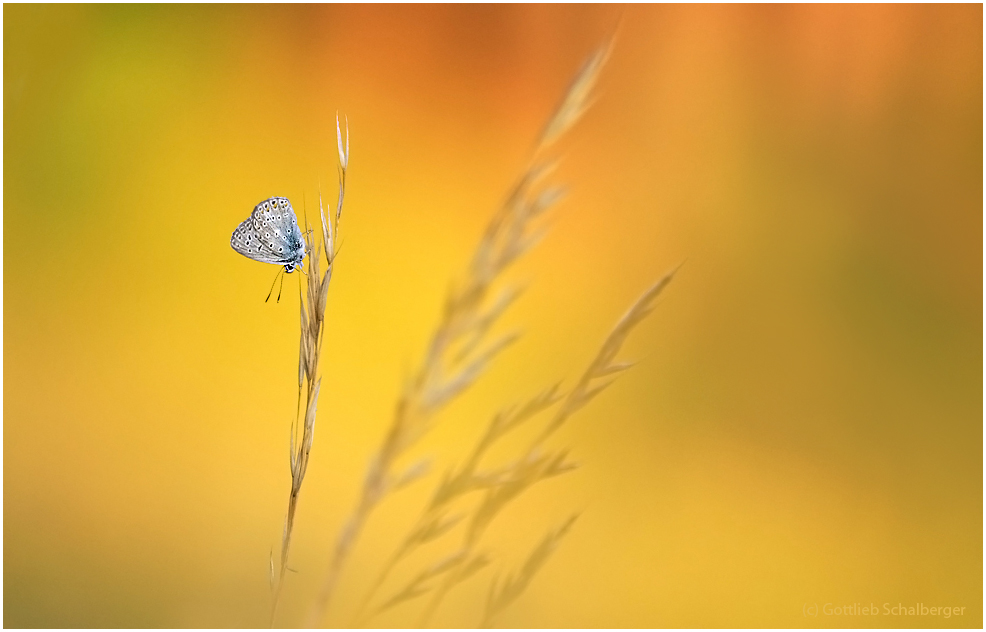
[{"x": 804, "y": 423}]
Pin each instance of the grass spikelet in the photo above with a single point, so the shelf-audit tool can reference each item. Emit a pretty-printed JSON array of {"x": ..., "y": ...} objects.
[
  {"x": 312, "y": 301},
  {"x": 578, "y": 98},
  {"x": 419, "y": 585},
  {"x": 502, "y": 595},
  {"x": 603, "y": 365},
  {"x": 525, "y": 473}
]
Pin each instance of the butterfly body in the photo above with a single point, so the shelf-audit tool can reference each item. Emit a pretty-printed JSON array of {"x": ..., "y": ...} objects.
[{"x": 271, "y": 235}]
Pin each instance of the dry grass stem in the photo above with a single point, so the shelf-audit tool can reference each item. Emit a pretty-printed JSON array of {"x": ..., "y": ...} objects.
[
  {"x": 461, "y": 349},
  {"x": 312, "y": 300},
  {"x": 435, "y": 521},
  {"x": 503, "y": 484},
  {"x": 503, "y": 594},
  {"x": 603, "y": 365},
  {"x": 458, "y": 354}
]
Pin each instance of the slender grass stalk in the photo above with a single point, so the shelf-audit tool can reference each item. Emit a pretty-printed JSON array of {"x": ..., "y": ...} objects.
[
  {"x": 312, "y": 300},
  {"x": 502, "y": 594},
  {"x": 503, "y": 484},
  {"x": 459, "y": 352},
  {"x": 435, "y": 520},
  {"x": 538, "y": 464}
]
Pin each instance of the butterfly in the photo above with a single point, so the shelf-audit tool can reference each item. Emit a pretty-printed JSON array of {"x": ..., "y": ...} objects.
[{"x": 271, "y": 235}]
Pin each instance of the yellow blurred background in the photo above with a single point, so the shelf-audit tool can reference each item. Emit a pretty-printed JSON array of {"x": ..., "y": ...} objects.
[{"x": 803, "y": 425}]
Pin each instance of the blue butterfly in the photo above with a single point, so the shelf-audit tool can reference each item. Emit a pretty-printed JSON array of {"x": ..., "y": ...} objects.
[{"x": 271, "y": 235}]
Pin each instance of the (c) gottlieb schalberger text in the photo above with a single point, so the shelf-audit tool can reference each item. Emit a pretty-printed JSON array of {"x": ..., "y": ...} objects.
[{"x": 887, "y": 609}]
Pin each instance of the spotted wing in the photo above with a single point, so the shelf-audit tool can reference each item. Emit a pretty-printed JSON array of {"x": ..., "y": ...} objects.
[
  {"x": 276, "y": 226},
  {"x": 246, "y": 241}
]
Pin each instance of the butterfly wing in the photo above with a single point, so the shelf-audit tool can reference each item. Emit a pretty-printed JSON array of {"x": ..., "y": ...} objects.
[
  {"x": 271, "y": 235},
  {"x": 293, "y": 232},
  {"x": 276, "y": 226},
  {"x": 246, "y": 241}
]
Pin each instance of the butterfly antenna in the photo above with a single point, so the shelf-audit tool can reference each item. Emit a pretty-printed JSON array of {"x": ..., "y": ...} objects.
[
  {"x": 280, "y": 272},
  {"x": 280, "y": 288},
  {"x": 304, "y": 209}
]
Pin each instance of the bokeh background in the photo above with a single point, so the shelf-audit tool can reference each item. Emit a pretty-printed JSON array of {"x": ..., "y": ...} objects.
[{"x": 804, "y": 425}]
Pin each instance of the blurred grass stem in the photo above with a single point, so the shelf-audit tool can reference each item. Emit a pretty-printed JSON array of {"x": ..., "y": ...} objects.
[{"x": 459, "y": 352}]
